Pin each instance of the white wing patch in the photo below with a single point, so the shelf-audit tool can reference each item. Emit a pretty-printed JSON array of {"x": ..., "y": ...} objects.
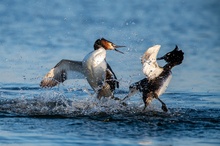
[{"x": 150, "y": 66}]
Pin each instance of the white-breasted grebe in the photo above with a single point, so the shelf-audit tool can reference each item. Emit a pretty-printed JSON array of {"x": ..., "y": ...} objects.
[
  {"x": 158, "y": 78},
  {"x": 93, "y": 67}
]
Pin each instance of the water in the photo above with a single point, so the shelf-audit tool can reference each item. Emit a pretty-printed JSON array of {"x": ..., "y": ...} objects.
[{"x": 35, "y": 35}]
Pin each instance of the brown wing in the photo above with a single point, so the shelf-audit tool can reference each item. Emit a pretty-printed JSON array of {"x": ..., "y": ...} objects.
[{"x": 111, "y": 78}]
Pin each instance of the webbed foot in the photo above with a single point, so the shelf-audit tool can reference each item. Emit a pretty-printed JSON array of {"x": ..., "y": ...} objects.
[{"x": 164, "y": 108}]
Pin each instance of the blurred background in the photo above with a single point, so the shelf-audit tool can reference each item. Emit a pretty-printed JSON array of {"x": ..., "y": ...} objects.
[{"x": 35, "y": 35}]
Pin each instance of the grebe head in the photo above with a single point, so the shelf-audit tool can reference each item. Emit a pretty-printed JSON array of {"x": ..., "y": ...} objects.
[
  {"x": 107, "y": 45},
  {"x": 175, "y": 56}
]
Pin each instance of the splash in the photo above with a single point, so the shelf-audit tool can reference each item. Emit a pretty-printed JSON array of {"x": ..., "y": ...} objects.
[{"x": 56, "y": 104}]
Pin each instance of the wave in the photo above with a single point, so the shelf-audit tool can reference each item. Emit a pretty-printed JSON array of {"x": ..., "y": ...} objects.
[
  {"x": 55, "y": 103},
  {"x": 77, "y": 104}
]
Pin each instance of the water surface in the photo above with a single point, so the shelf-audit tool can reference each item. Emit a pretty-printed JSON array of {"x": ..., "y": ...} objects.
[{"x": 35, "y": 35}]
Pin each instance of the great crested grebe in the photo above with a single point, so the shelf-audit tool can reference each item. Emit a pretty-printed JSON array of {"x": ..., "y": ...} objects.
[
  {"x": 158, "y": 78},
  {"x": 93, "y": 67}
]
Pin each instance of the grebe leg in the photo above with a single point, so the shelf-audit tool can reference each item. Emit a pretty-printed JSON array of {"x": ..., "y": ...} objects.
[{"x": 164, "y": 107}]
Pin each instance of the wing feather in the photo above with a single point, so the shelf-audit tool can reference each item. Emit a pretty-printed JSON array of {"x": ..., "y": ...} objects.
[
  {"x": 149, "y": 61},
  {"x": 64, "y": 70}
]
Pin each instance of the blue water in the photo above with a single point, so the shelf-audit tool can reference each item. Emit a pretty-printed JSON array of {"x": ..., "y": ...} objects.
[{"x": 35, "y": 35}]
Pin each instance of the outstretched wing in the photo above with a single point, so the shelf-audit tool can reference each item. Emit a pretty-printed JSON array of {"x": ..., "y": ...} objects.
[
  {"x": 64, "y": 70},
  {"x": 111, "y": 78},
  {"x": 149, "y": 61}
]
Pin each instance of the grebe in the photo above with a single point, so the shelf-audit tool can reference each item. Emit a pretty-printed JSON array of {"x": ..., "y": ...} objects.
[
  {"x": 157, "y": 78},
  {"x": 93, "y": 67}
]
